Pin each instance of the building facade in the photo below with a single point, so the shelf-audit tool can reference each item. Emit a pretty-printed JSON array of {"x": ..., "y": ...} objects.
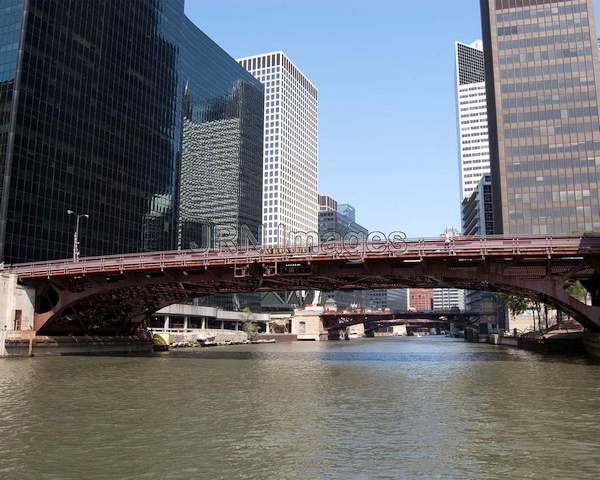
[
  {"x": 478, "y": 210},
  {"x": 347, "y": 211},
  {"x": 290, "y": 209},
  {"x": 334, "y": 226},
  {"x": 478, "y": 220},
  {"x": 93, "y": 120},
  {"x": 474, "y": 153},
  {"x": 327, "y": 204},
  {"x": 543, "y": 81},
  {"x": 420, "y": 299},
  {"x": 222, "y": 149},
  {"x": 448, "y": 299},
  {"x": 395, "y": 300}
]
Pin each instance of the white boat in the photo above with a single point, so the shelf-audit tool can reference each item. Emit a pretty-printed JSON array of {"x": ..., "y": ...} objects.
[{"x": 353, "y": 335}]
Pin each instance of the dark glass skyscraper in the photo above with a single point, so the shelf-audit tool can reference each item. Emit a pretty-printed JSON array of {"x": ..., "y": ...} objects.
[
  {"x": 543, "y": 80},
  {"x": 11, "y": 13},
  {"x": 98, "y": 102}
]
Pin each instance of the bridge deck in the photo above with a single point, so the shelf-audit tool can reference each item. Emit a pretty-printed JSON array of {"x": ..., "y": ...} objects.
[{"x": 408, "y": 250}]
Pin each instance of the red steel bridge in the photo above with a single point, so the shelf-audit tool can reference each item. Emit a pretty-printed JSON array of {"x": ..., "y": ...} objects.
[{"x": 116, "y": 294}]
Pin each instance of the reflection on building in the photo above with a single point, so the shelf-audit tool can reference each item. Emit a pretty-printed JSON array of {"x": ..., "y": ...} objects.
[
  {"x": 221, "y": 168},
  {"x": 156, "y": 227},
  {"x": 130, "y": 114}
]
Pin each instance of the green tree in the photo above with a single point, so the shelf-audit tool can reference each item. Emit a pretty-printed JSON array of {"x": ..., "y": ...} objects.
[
  {"x": 577, "y": 291},
  {"x": 516, "y": 304}
]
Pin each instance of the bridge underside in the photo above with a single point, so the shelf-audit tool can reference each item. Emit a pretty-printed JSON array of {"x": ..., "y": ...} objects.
[{"x": 118, "y": 303}]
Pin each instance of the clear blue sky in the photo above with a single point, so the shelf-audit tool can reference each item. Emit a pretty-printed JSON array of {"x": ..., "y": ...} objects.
[{"x": 385, "y": 74}]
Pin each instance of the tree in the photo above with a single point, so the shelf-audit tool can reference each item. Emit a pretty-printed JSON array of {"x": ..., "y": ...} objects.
[
  {"x": 248, "y": 324},
  {"x": 516, "y": 304},
  {"x": 577, "y": 291}
]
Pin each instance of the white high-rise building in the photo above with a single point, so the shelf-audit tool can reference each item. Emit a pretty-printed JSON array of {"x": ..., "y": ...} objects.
[
  {"x": 471, "y": 102},
  {"x": 290, "y": 195},
  {"x": 448, "y": 299}
]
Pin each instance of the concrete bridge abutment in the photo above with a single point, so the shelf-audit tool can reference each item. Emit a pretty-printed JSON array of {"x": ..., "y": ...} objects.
[{"x": 17, "y": 304}]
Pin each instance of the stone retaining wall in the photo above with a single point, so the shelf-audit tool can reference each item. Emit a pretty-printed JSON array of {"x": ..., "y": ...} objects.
[
  {"x": 56, "y": 346},
  {"x": 222, "y": 337}
]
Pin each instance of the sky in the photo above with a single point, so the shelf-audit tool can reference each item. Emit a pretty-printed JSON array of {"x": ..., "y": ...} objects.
[{"x": 387, "y": 105}]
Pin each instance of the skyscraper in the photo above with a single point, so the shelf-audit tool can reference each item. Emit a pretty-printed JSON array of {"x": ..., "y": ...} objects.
[
  {"x": 543, "y": 82},
  {"x": 110, "y": 146},
  {"x": 448, "y": 299},
  {"x": 474, "y": 157},
  {"x": 93, "y": 120},
  {"x": 290, "y": 148}
]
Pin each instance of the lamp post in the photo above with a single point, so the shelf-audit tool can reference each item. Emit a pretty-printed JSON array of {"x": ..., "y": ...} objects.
[{"x": 76, "y": 235}]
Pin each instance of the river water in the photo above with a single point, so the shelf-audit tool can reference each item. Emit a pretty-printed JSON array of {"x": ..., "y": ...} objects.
[{"x": 407, "y": 408}]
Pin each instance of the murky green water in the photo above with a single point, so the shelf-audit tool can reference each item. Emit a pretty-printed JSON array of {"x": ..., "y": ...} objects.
[{"x": 373, "y": 409}]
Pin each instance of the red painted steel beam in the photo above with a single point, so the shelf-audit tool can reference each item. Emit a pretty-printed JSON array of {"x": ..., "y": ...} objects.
[{"x": 462, "y": 248}]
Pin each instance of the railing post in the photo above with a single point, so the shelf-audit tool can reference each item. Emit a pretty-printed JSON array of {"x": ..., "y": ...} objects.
[
  {"x": 549, "y": 248},
  {"x": 516, "y": 246}
]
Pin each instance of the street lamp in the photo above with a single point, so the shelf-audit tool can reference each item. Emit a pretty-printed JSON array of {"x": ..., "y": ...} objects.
[{"x": 76, "y": 235}]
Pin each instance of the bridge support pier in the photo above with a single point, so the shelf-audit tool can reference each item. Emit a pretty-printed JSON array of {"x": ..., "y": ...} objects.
[{"x": 16, "y": 305}]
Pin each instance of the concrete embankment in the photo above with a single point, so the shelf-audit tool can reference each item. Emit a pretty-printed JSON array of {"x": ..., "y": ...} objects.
[
  {"x": 563, "y": 343},
  {"x": 557, "y": 344},
  {"x": 23, "y": 346}
]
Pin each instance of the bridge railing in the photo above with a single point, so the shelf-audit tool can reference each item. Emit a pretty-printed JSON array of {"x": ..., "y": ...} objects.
[{"x": 410, "y": 249}]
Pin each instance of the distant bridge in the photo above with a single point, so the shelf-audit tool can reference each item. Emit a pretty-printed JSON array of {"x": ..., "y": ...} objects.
[
  {"x": 375, "y": 326},
  {"x": 116, "y": 294},
  {"x": 340, "y": 320}
]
